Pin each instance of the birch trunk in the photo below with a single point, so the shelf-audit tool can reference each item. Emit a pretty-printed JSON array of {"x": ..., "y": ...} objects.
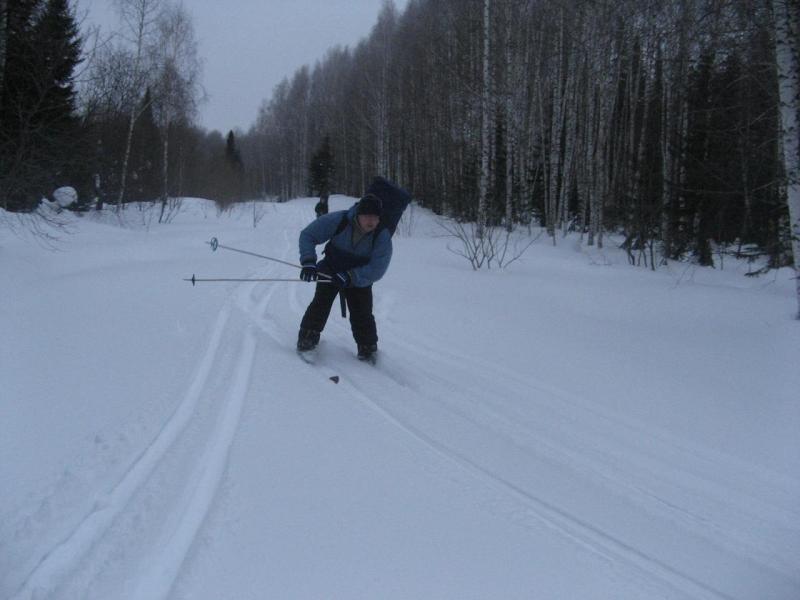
[
  {"x": 511, "y": 117},
  {"x": 486, "y": 110},
  {"x": 585, "y": 168},
  {"x": 592, "y": 167},
  {"x": 600, "y": 182},
  {"x": 165, "y": 173},
  {"x": 787, "y": 48},
  {"x": 139, "y": 16},
  {"x": 672, "y": 117},
  {"x": 127, "y": 154},
  {"x": 571, "y": 119},
  {"x": 556, "y": 123}
]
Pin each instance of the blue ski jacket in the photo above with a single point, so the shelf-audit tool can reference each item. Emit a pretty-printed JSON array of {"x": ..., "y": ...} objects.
[{"x": 365, "y": 261}]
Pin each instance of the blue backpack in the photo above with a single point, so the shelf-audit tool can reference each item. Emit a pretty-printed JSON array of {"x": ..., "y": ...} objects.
[{"x": 394, "y": 201}]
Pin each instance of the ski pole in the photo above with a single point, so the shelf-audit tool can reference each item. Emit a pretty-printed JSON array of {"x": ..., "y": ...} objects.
[
  {"x": 214, "y": 243},
  {"x": 195, "y": 280}
]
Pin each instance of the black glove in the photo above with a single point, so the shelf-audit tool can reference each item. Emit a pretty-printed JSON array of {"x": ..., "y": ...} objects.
[
  {"x": 341, "y": 280},
  {"x": 309, "y": 272}
]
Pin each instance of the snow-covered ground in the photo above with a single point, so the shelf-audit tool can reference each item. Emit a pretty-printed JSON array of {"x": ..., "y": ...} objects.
[{"x": 570, "y": 427}]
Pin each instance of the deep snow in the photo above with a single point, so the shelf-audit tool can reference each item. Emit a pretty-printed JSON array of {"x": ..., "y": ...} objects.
[{"x": 570, "y": 427}]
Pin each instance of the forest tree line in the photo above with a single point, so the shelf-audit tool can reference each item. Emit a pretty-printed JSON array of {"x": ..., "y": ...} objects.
[
  {"x": 658, "y": 120},
  {"x": 111, "y": 114}
]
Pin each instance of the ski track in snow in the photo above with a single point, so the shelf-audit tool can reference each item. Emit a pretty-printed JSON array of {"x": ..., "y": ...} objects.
[
  {"x": 580, "y": 532},
  {"x": 634, "y": 448},
  {"x": 530, "y": 418},
  {"x": 59, "y": 566},
  {"x": 633, "y": 445},
  {"x": 639, "y": 448},
  {"x": 164, "y": 567}
]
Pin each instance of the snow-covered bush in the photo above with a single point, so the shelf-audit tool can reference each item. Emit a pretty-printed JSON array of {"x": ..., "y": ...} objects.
[{"x": 65, "y": 197}]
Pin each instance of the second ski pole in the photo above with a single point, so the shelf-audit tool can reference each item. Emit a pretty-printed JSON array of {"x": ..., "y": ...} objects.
[{"x": 214, "y": 243}]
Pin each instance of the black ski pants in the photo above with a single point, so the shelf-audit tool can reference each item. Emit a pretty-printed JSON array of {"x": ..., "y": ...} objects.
[{"x": 359, "y": 303}]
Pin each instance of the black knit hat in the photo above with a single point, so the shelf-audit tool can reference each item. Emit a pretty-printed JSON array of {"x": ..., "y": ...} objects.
[{"x": 370, "y": 205}]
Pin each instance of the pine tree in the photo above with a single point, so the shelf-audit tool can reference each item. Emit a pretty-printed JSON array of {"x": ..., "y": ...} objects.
[
  {"x": 232, "y": 154},
  {"x": 234, "y": 171},
  {"x": 42, "y": 48},
  {"x": 16, "y": 95},
  {"x": 322, "y": 169},
  {"x": 57, "y": 36}
]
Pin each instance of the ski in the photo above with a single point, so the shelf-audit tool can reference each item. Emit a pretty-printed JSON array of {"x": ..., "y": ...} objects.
[
  {"x": 310, "y": 358},
  {"x": 370, "y": 360}
]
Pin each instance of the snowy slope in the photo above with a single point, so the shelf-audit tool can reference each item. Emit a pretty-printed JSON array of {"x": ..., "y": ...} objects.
[{"x": 570, "y": 427}]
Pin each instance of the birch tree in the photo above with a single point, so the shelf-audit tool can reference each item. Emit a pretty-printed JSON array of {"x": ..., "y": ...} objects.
[
  {"x": 379, "y": 84},
  {"x": 675, "y": 120},
  {"x": 515, "y": 97},
  {"x": 487, "y": 110},
  {"x": 651, "y": 119},
  {"x": 139, "y": 19},
  {"x": 554, "y": 126},
  {"x": 177, "y": 82},
  {"x": 787, "y": 56}
]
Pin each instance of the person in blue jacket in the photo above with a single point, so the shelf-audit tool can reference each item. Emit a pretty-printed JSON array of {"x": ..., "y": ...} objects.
[{"x": 357, "y": 254}]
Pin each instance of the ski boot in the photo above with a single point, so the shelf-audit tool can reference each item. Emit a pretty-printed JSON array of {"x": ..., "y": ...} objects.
[
  {"x": 307, "y": 341},
  {"x": 367, "y": 352}
]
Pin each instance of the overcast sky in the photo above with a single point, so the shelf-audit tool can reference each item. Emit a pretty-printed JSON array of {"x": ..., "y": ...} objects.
[{"x": 249, "y": 46}]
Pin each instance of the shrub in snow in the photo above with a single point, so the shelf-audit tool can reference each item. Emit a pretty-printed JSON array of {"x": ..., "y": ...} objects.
[{"x": 65, "y": 196}]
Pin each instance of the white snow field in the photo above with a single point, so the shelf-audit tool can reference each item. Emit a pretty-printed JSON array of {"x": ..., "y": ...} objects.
[{"x": 570, "y": 427}]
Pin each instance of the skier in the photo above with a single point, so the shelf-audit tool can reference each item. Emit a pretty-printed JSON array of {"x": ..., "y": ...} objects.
[
  {"x": 357, "y": 254},
  {"x": 322, "y": 206}
]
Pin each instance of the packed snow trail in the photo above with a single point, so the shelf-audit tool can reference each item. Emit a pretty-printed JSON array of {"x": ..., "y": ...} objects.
[
  {"x": 62, "y": 559},
  {"x": 496, "y": 450},
  {"x": 164, "y": 565},
  {"x": 70, "y": 569},
  {"x": 416, "y": 376},
  {"x": 686, "y": 577}
]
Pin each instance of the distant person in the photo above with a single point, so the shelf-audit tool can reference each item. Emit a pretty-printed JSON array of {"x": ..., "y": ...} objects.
[
  {"x": 357, "y": 255},
  {"x": 322, "y": 206}
]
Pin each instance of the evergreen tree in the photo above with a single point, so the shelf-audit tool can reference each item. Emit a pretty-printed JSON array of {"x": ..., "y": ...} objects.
[
  {"x": 58, "y": 36},
  {"x": 322, "y": 169},
  {"x": 16, "y": 94},
  {"x": 232, "y": 154},
  {"x": 58, "y": 40},
  {"x": 17, "y": 61},
  {"x": 38, "y": 128},
  {"x": 234, "y": 171}
]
